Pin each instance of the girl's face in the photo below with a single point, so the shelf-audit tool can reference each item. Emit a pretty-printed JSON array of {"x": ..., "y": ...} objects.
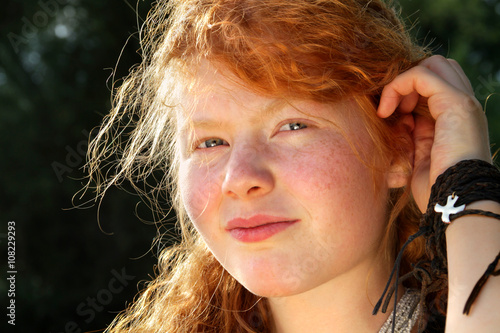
[{"x": 276, "y": 191}]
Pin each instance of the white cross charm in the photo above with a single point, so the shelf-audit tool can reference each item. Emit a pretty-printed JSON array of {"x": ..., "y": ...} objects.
[{"x": 449, "y": 208}]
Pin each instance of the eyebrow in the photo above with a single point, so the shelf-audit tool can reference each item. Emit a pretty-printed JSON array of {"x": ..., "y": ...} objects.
[{"x": 268, "y": 111}]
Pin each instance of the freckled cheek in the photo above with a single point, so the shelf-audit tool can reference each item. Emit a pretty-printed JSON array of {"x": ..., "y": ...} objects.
[
  {"x": 320, "y": 170},
  {"x": 200, "y": 193},
  {"x": 330, "y": 181}
]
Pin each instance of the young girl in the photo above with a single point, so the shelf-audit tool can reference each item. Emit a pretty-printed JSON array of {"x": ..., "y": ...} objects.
[{"x": 298, "y": 142}]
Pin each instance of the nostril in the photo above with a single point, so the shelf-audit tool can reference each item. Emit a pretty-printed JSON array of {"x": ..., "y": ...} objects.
[{"x": 253, "y": 189}]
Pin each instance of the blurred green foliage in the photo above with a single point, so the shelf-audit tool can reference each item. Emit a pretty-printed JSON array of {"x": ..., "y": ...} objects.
[
  {"x": 56, "y": 61},
  {"x": 469, "y": 32},
  {"x": 56, "y": 64}
]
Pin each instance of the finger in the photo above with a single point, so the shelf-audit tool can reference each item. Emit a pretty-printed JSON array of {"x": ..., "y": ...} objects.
[
  {"x": 444, "y": 69},
  {"x": 419, "y": 79},
  {"x": 409, "y": 102},
  {"x": 462, "y": 75}
]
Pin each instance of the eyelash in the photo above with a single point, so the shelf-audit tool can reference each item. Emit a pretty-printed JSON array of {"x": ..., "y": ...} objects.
[
  {"x": 211, "y": 139},
  {"x": 296, "y": 123},
  {"x": 295, "y": 126}
]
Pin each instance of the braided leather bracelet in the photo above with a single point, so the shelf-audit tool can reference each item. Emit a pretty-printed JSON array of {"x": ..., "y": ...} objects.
[{"x": 466, "y": 182}]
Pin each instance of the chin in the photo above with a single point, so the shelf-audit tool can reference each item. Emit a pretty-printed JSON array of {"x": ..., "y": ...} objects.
[
  {"x": 271, "y": 275},
  {"x": 273, "y": 284},
  {"x": 271, "y": 290}
]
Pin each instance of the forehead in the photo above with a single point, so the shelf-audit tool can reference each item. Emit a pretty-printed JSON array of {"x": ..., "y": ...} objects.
[
  {"x": 212, "y": 85},
  {"x": 214, "y": 93}
]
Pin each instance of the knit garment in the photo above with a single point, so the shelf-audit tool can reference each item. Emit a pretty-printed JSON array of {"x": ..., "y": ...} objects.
[{"x": 407, "y": 313}]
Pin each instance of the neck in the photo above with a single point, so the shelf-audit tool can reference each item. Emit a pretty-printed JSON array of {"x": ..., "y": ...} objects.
[{"x": 344, "y": 304}]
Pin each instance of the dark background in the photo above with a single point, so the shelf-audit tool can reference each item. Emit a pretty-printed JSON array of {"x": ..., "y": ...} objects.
[{"x": 56, "y": 62}]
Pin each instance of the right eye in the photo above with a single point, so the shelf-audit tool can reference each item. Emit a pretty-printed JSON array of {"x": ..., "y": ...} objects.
[
  {"x": 210, "y": 143},
  {"x": 294, "y": 126}
]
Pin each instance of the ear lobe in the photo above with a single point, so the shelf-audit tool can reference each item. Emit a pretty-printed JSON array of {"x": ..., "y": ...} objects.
[
  {"x": 398, "y": 176},
  {"x": 399, "y": 172}
]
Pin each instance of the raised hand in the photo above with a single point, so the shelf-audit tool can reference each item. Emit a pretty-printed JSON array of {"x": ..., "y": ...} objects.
[{"x": 458, "y": 130}]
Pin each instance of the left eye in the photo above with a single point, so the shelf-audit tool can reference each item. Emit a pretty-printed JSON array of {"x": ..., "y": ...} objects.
[
  {"x": 210, "y": 143},
  {"x": 293, "y": 126}
]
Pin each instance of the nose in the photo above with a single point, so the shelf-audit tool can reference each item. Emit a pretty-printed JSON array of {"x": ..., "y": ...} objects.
[{"x": 248, "y": 174}]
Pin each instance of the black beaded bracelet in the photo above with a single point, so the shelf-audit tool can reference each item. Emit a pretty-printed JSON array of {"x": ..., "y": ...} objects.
[{"x": 466, "y": 182}]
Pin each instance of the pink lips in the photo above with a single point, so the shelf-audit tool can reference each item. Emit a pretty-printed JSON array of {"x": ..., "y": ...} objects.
[{"x": 258, "y": 227}]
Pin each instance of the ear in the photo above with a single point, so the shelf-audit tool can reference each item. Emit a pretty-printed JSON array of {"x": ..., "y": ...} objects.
[{"x": 399, "y": 172}]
